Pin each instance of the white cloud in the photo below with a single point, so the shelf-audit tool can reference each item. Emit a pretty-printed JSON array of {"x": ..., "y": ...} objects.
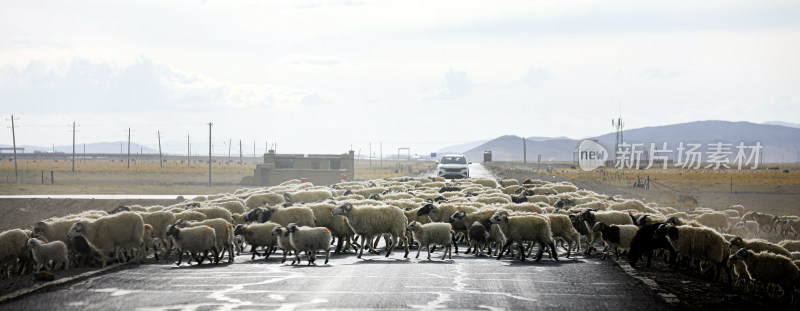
[{"x": 456, "y": 85}]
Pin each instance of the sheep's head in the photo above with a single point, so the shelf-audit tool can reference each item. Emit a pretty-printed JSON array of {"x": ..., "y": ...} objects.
[
  {"x": 342, "y": 210},
  {"x": 278, "y": 230},
  {"x": 75, "y": 230},
  {"x": 121, "y": 208},
  {"x": 374, "y": 196},
  {"x": 741, "y": 254},
  {"x": 426, "y": 209},
  {"x": 673, "y": 220},
  {"x": 501, "y": 216},
  {"x": 173, "y": 230},
  {"x": 39, "y": 227},
  {"x": 347, "y": 192},
  {"x": 239, "y": 230},
  {"x": 600, "y": 226},
  {"x": 440, "y": 199},
  {"x": 180, "y": 222},
  {"x": 292, "y": 228},
  {"x": 413, "y": 226},
  {"x": 737, "y": 241},
  {"x": 586, "y": 215},
  {"x": 775, "y": 218},
  {"x": 33, "y": 242},
  {"x": 253, "y": 214},
  {"x": 661, "y": 231},
  {"x": 287, "y": 197},
  {"x": 458, "y": 215},
  {"x": 643, "y": 220}
]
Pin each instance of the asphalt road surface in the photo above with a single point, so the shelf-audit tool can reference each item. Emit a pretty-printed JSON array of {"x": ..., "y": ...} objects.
[{"x": 347, "y": 283}]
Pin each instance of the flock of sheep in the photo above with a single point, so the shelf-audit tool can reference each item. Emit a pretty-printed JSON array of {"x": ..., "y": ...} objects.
[{"x": 491, "y": 217}]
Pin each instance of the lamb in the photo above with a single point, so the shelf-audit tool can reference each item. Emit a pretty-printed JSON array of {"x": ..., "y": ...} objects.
[
  {"x": 715, "y": 220},
  {"x": 12, "y": 247},
  {"x": 194, "y": 240},
  {"x": 224, "y": 235},
  {"x": 258, "y": 235},
  {"x": 759, "y": 246},
  {"x": 769, "y": 268},
  {"x": 645, "y": 242},
  {"x": 518, "y": 229},
  {"x": 301, "y": 215},
  {"x": 697, "y": 243},
  {"x": 369, "y": 222},
  {"x": 159, "y": 222},
  {"x": 108, "y": 233},
  {"x": 433, "y": 233},
  {"x": 479, "y": 237},
  {"x": 43, "y": 253},
  {"x": 309, "y": 240},
  {"x": 616, "y": 237}
]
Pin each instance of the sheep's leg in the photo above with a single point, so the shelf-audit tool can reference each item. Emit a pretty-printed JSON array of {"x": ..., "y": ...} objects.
[
  {"x": 389, "y": 248},
  {"x": 310, "y": 256},
  {"x": 339, "y": 243},
  {"x": 419, "y": 249},
  {"x": 616, "y": 251},
  {"x": 361, "y": 247},
  {"x": 455, "y": 244},
  {"x": 268, "y": 251},
  {"x": 555, "y": 253},
  {"x": 521, "y": 252},
  {"x": 327, "y": 255},
  {"x": 502, "y": 250},
  {"x": 230, "y": 254},
  {"x": 428, "y": 248},
  {"x": 285, "y": 252},
  {"x": 180, "y": 258},
  {"x": 407, "y": 243}
]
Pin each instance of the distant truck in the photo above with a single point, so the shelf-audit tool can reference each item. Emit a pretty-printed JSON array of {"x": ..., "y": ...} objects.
[{"x": 487, "y": 156}]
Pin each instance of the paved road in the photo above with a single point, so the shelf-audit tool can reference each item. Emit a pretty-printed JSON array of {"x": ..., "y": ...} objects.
[{"x": 374, "y": 282}]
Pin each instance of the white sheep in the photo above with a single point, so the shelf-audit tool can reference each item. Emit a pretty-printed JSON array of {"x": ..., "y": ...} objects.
[
  {"x": 758, "y": 245},
  {"x": 12, "y": 247},
  {"x": 194, "y": 240},
  {"x": 214, "y": 212},
  {"x": 224, "y": 235},
  {"x": 790, "y": 245},
  {"x": 258, "y": 235},
  {"x": 369, "y": 222},
  {"x": 697, "y": 243},
  {"x": 433, "y": 233},
  {"x": 264, "y": 199},
  {"x": 44, "y": 253},
  {"x": 309, "y": 240},
  {"x": 561, "y": 227},
  {"x": 769, "y": 268},
  {"x": 111, "y": 233},
  {"x": 190, "y": 215},
  {"x": 534, "y": 228},
  {"x": 590, "y": 217},
  {"x": 284, "y": 241},
  {"x": 715, "y": 220},
  {"x": 308, "y": 196}
]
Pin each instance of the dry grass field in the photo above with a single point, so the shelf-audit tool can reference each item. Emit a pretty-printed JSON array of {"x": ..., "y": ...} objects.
[{"x": 766, "y": 190}]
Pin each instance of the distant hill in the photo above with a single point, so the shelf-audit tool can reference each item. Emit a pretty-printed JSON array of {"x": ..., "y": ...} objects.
[
  {"x": 779, "y": 141},
  {"x": 461, "y": 148},
  {"x": 781, "y": 123}
]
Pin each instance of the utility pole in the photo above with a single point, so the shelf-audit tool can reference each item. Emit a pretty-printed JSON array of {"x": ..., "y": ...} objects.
[
  {"x": 370, "y": 154},
  {"x": 129, "y": 148},
  {"x": 254, "y": 149},
  {"x": 160, "y": 162},
  {"x": 524, "y": 151},
  {"x": 209, "y": 154},
  {"x": 84, "y": 153},
  {"x": 188, "y": 151},
  {"x": 240, "y": 152},
  {"x": 381, "y": 145},
  {"x": 14, "y": 140},
  {"x": 73, "y": 146}
]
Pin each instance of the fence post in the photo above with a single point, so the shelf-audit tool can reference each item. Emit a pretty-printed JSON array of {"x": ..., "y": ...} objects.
[
  {"x": 52, "y": 181},
  {"x": 42, "y": 177}
]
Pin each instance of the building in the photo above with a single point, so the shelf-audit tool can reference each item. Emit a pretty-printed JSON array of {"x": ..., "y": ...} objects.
[{"x": 319, "y": 169}]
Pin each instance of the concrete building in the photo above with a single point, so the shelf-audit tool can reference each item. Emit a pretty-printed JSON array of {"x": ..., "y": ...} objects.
[{"x": 319, "y": 169}]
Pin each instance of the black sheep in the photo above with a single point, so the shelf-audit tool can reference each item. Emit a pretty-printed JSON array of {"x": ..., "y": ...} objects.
[{"x": 645, "y": 242}]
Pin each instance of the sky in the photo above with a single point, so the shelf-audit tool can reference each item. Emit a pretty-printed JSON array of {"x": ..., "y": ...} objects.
[{"x": 322, "y": 76}]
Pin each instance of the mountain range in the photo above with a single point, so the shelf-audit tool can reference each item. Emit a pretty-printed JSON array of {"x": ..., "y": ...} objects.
[{"x": 779, "y": 142}]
